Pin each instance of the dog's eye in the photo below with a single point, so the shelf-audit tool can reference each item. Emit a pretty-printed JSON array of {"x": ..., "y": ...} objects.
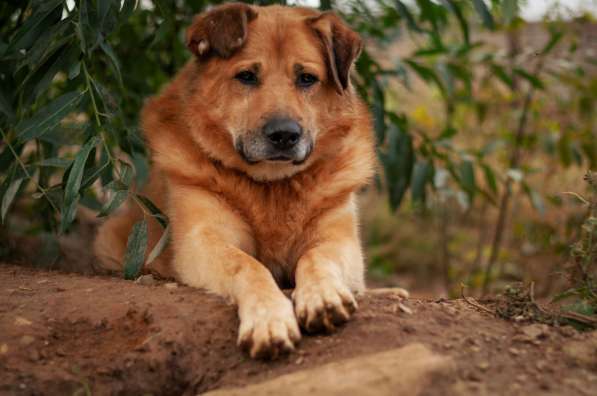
[
  {"x": 305, "y": 80},
  {"x": 247, "y": 77}
]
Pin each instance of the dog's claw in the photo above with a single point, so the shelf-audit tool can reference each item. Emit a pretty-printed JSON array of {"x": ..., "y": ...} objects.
[
  {"x": 269, "y": 333},
  {"x": 323, "y": 306}
]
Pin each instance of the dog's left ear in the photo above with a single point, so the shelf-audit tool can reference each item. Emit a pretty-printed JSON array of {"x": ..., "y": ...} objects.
[
  {"x": 342, "y": 47},
  {"x": 220, "y": 31}
]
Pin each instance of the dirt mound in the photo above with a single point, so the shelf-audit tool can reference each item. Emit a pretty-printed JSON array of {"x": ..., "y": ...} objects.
[{"x": 63, "y": 333}]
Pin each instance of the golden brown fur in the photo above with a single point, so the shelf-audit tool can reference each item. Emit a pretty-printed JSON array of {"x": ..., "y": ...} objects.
[{"x": 243, "y": 229}]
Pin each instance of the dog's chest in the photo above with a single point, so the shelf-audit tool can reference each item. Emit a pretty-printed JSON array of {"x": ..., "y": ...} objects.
[{"x": 281, "y": 226}]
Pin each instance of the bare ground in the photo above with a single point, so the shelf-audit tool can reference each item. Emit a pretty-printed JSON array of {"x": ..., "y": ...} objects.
[{"x": 72, "y": 334}]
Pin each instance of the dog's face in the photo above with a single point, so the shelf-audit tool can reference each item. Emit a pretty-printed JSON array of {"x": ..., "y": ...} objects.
[{"x": 270, "y": 84}]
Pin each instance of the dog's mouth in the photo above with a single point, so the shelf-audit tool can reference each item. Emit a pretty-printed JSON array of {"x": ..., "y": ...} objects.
[{"x": 254, "y": 152}]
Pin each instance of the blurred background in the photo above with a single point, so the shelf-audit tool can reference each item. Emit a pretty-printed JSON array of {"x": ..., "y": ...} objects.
[{"x": 484, "y": 116}]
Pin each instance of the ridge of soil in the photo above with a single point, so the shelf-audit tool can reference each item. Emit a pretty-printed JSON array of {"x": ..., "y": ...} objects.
[{"x": 65, "y": 333}]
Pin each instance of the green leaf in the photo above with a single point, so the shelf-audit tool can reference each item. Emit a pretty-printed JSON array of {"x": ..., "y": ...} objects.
[
  {"x": 160, "y": 246},
  {"x": 554, "y": 39},
  {"x": 105, "y": 46},
  {"x": 532, "y": 79},
  {"x": 398, "y": 163},
  {"x": 467, "y": 178},
  {"x": 114, "y": 203},
  {"x": 408, "y": 16},
  {"x": 422, "y": 174},
  {"x": 426, "y": 74},
  {"x": 509, "y": 10},
  {"x": 9, "y": 195},
  {"x": 534, "y": 197},
  {"x": 455, "y": 9},
  {"x": 73, "y": 184},
  {"x": 5, "y": 106},
  {"x": 502, "y": 74},
  {"x": 48, "y": 116},
  {"x": 55, "y": 162},
  {"x": 490, "y": 178},
  {"x": 135, "y": 250},
  {"x": 35, "y": 25},
  {"x": 153, "y": 209},
  {"x": 379, "y": 122},
  {"x": 128, "y": 6},
  {"x": 484, "y": 13}
]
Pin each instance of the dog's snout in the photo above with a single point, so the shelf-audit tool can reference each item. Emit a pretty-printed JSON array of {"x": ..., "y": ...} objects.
[{"x": 283, "y": 133}]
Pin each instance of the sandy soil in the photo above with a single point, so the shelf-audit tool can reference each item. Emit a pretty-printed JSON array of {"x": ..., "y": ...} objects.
[{"x": 64, "y": 334}]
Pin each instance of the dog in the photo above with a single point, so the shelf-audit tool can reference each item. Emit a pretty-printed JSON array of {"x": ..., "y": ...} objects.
[{"x": 258, "y": 147}]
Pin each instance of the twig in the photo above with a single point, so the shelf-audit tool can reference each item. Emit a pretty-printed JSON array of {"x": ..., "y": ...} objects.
[
  {"x": 473, "y": 302},
  {"x": 588, "y": 320},
  {"x": 24, "y": 168}
]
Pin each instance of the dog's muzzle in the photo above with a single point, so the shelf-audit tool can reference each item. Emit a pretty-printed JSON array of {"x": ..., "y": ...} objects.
[{"x": 281, "y": 139}]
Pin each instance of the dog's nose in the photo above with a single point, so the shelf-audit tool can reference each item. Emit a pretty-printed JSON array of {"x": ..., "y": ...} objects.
[{"x": 283, "y": 133}]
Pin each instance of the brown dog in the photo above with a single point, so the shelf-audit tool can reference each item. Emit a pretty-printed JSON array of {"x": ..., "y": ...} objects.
[{"x": 258, "y": 147}]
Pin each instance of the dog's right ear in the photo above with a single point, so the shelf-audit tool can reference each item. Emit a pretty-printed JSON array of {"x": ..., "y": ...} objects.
[{"x": 220, "y": 31}]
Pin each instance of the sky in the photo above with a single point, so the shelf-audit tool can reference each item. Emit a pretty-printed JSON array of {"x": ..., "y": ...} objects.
[
  {"x": 532, "y": 10},
  {"x": 535, "y": 9}
]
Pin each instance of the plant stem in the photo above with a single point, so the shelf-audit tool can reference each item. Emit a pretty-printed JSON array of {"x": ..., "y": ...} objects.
[
  {"x": 24, "y": 168},
  {"x": 514, "y": 162}
]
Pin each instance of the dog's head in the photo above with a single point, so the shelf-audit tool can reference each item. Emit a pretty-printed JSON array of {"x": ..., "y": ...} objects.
[{"x": 269, "y": 84}]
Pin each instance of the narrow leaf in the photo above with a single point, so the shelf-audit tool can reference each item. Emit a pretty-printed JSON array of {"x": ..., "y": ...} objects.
[
  {"x": 490, "y": 178},
  {"x": 105, "y": 46},
  {"x": 9, "y": 196},
  {"x": 467, "y": 178},
  {"x": 422, "y": 174},
  {"x": 47, "y": 117},
  {"x": 114, "y": 203},
  {"x": 484, "y": 13},
  {"x": 73, "y": 184},
  {"x": 153, "y": 209},
  {"x": 532, "y": 79},
  {"x": 159, "y": 247},
  {"x": 135, "y": 250}
]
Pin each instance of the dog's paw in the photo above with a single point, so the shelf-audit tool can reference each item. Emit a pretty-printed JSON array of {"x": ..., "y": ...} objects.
[
  {"x": 268, "y": 329},
  {"x": 323, "y": 305}
]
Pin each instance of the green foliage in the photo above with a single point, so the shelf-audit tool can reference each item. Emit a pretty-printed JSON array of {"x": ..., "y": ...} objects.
[
  {"x": 583, "y": 272},
  {"x": 73, "y": 77}
]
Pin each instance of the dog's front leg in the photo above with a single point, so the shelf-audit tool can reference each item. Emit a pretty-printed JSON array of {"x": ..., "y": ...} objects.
[
  {"x": 329, "y": 272},
  {"x": 213, "y": 250}
]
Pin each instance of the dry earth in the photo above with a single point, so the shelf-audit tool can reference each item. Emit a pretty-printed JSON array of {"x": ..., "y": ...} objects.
[{"x": 72, "y": 334}]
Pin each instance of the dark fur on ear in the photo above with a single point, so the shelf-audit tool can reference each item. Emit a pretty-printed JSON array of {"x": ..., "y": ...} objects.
[
  {"x": 220, "y": 31},
  {"x": 342, "y": 46}
]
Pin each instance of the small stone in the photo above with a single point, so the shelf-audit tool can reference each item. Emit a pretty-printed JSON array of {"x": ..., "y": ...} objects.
[
  {"x": 514, "y": 351},
  {"x": 299, "y": 360},
  {"x": 450, "y": 310},
  {"x": 483, "y": 366},
  {"x": 42, "y": 281},
  {"x": 541, "y": 365},
  {"x": 171, "y": 285},
  {"x": 3, "y": 349},
  {"x": 472, "y": 376},
  {"x": 20, "y": 321},
  {"x": 409, "y": 329},
  {"x": 146, "y": 280},
  {"x": 521, "y": 378},
  {"x": 568, "y": 331},
  {"x": 34, "y": 355},
  {"x": 405, "y": 309},
  {"x": 27, "y": 340},
  {"x": 535, "y": 331}
]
